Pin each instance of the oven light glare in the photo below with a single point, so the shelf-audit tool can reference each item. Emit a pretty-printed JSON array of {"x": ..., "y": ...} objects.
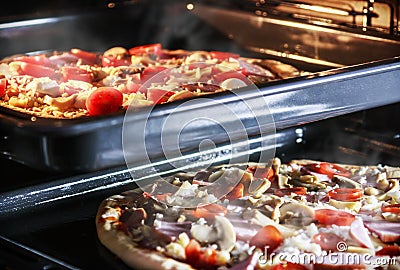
[
  {"x": 27, "y": 23},
  {"x": 324, "y": 9},
  {"x": 190, "y": 6}
]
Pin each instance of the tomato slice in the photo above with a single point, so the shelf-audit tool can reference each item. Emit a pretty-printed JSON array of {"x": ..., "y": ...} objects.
[
  {"x": 289, "y": 266},
  {"x": 259, "y": 172},
  {"x": 158, "y": 96},
  {"x": 36, "y": 70},
  {"x": 330, "y": 217},
  {"x": 104, "y": 100},
  {"x": 209, "y": 211},
  {"x": 218, "y": 78},
  {"x": 287, "y": 191},
  {"x": 223, "y": 55},
  {"x": 391, "y": 251},
  {"x": 3, "y": 86},
  {"x": 146, "y": 49},
  {"x": 88, "y": 58},
  {"x": 391, "y": 208},
  {"x": 236, "y": 193},
  {"x": 268, "y": 237},
  {"x": 75, "y": 73},
  {"x": 198, "y": 257},
  {"x": 346, "y": 194},
  {"x": 329, "y": 169},
  {"x": 327, "y": 241}
]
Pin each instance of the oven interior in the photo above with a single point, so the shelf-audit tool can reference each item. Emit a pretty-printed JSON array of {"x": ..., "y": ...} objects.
[
  {"x": 60, "y": 224},
  {"x": 53, "y": 213}
]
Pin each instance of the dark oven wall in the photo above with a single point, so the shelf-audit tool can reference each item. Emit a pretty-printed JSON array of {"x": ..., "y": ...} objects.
[{"x": 99, "y": 25}]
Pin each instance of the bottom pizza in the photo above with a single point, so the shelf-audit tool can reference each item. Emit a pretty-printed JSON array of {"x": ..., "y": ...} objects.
[{"x": 303, "y": 214}]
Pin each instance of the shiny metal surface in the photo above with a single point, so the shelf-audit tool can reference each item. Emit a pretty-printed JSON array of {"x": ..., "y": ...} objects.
[{"x": 318, "y": 43}]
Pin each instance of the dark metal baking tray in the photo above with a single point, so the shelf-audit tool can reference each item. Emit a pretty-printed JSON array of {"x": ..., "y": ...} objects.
[
  {"x": 57, "y": 218},
  {"x": 89, "y": 144}
]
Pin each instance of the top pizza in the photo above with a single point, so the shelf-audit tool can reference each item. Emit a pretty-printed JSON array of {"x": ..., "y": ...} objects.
[{"x": 80, "y": 83}]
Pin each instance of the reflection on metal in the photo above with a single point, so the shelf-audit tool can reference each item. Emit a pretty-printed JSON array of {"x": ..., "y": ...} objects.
[
  {"x": 295, "y": 57},
  {"x": 324, "y": 9},
  {"x": 333, "y": 46},
  {"x": 28, "y": 23}
]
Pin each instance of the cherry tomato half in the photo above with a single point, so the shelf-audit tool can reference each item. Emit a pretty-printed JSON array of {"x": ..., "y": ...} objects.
[
  {"x": 267, "y": 237},
  {"x": 104, "y": 100},
  {"x": 329, "y": 217},
  {"x": 391, "y": 208},
  {"x": 327, "y": 241},
  {"x": 329, "y": 169},
  {"x": 346, "y": 194},
  {"x": 146, "y": 49},
  {"x": 287, "y": 191}
]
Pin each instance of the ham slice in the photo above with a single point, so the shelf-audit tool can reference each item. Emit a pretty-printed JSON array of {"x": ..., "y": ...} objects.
[
  {"x": 360, "y": 234},
  {"x": 243, "y": 228},
  {"x": 387, "y": 231}
]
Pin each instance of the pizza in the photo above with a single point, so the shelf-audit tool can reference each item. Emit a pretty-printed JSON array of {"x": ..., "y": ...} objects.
[
  {"x": 303, "y": 214},
  {"x": 79, "y": 83}
]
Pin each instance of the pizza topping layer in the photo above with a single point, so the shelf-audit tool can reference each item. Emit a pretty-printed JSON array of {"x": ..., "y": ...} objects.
[
  {"x": 307, "y": 207},
  {"x": 61, "y": 84}
]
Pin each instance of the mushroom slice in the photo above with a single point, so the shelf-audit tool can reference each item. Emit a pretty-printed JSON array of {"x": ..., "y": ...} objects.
[
  {"x": 204, "y": 233},
  {"x": 311, "y": 182},
  {"x": 221, "y": 232},
  {"x": 283, "y": 181},
  {"x": 391, "y": 193},
  {"x": 276, "y": 164},
  {"x": 256, "y": 217},
  {"x": 346, "y": 182},
  {"x": 392, "y": 173},
  {"x": 258, "y": 186},
  {"x": 226, "y": 233},
  {"x": 296, "y": 214},
  {"x": 352, "y": 206},
  {"x": 181, "y": 95},
  {"x": 62, "y": 103}
]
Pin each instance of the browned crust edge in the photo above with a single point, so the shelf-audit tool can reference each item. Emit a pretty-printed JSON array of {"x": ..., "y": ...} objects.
[{"x": 138, "y": 258}]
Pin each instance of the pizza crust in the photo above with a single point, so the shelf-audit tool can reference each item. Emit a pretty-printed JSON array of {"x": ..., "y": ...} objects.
[{"x": 138, "y": 258}]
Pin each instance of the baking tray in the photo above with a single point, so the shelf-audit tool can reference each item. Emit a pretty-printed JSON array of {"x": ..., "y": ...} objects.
[
  {"x": 57, "y": 219},
  {"x": 90, "y": 144}
]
